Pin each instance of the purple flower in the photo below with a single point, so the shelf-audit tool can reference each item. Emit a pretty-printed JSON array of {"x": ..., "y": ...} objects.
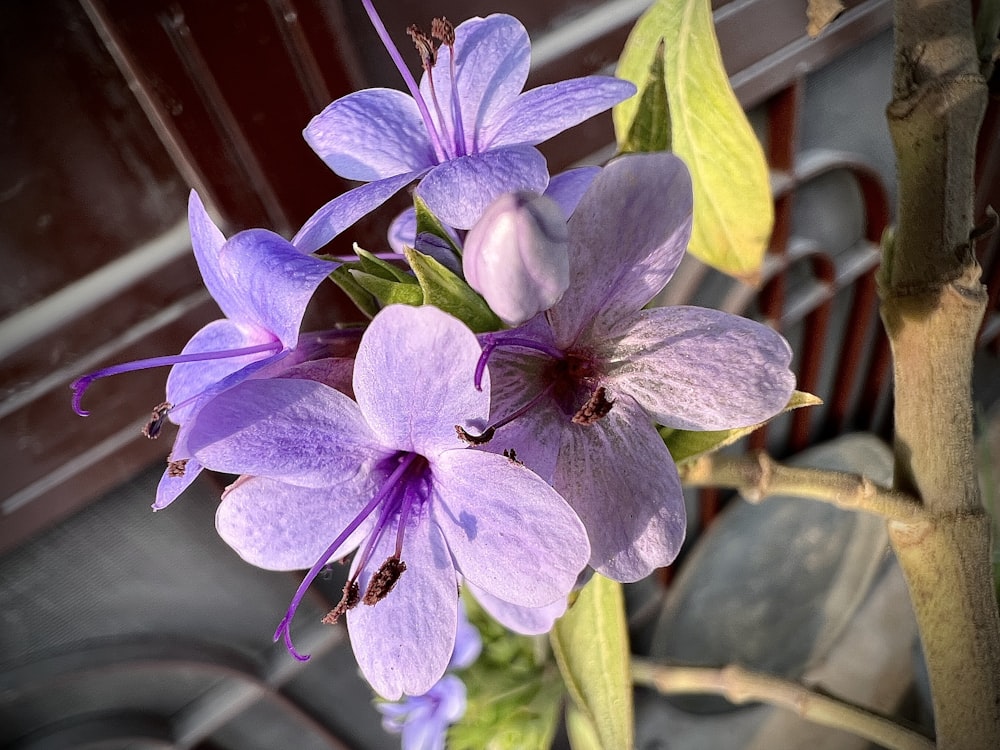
[
  {"x": 262, "y": 284},
  {"x": 576, "y": 391},
  {"x": 516, "y": 256},
  {"x": 423, "y": 720},
  {"x": 389, "y": 476},
  {"x": 467, "y": 132}
]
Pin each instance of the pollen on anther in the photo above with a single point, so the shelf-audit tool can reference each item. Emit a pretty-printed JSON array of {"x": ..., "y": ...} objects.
[
  {"x": 443, "y": 30},
  {"x": 467, "y": 437},
  {"x": 152, "y": 428},
  {"x": 177, "y": 468},
  {"x": 598, "y": 406},
  {"x": 384, "y": 579},
  {"x": 426, "y": 46},
  {"x": 349, "y": 600}
]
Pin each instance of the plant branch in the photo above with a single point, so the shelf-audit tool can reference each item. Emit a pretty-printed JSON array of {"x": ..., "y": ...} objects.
[
  {"x": 739, "y": 685},
  {"x": 758, "y": 476}
]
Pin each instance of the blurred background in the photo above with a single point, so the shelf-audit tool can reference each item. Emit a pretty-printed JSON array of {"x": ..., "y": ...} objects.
[{"x": 119, "y": 628}]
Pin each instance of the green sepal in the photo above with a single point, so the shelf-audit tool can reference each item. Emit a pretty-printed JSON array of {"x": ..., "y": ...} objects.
[
  {"x": 687, "y": 445},
  {"x": 445, "y": 290},
  {"x": 363, "y": 299},
  {"x": 513, "y": 691},
  {"x": 428, "y": 223},
  {"x": 389, "y": 292},
  {"x": 650, "y": 129},
  {"x": 375, "y": 266},
  {"x": 590, "y": 643},
  {"x": 580, "y": 729}
]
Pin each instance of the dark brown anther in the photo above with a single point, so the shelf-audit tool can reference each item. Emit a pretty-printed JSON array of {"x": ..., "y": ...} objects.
[
  {"x": 426, "y": 47},
  {"x": 598, "y": 406},
  {"x": 443, "y": 30},
  {"x": 465, "y": 437},
  {"x": 177, "y": 468},
  {"x": 511, "y": 455},
  {"x": 384, "y": 579},
  {"x": 156, "y": 419},
  {"x": 348, "y": 601}
]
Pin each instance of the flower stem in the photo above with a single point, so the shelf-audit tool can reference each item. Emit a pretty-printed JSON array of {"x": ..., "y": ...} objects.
[
  {"x": 758, "y": 476},
  {"x": 739, "y": 685}
]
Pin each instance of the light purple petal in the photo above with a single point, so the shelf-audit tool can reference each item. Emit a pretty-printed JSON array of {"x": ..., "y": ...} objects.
[
  {"x": 458, "y": 191},
  {"x": 206, "y": 242},
  {"x": 189, "y": 379},
  {"x": 413, "y": 379},
  {"x": 404, "y": 642},
  {"x": 701, "y": 369},
  {"x": 524, "y": 620},
  {"x": 508, "y": 531},
  {"x": 626, "y": 239},
  {"x": 371, "y": 135},
  {"x": 278, "y": 526},
  {"x": 492, "y": 58},
  {"x": 275, "y": 280},
  {"x": 567, "y": 188},
  {"x": 170, "y": 486},
  {"x": 403, "y": 230},
  {"x": 300, "y": 431},
  {"x": 340, "y": 213},
  {"x": 541, "y": 113},
  {"x": 619, "y": 477}
]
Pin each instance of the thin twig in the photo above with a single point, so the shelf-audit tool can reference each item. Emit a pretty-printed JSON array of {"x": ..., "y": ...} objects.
[
  {"x": 739, "y": 685},
  {"x": 758, "y": 476}
]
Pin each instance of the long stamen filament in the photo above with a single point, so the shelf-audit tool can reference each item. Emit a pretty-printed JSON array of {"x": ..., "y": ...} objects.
[
  {"x": 81, "y": 384},
  {"x": 494, "y": 341},
  {"x": 408, "y": 79},
  {"x": 283, "y": 631},
  {"x": 456, "y": 106}
]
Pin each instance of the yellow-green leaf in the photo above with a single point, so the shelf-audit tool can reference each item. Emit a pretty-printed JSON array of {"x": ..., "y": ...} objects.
[
  {"x": 733, "y": 210},
  {"x": 590, "y": 643},
  {"x": 687, "y": 445},
  {"x": 650, "y": 129}
]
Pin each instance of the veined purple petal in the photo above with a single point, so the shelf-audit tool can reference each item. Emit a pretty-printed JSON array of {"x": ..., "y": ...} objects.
[
  {"x": 344, "y": 210},
  {"x": 458, "y": 191},
  {"x": 543, "y": 112},
  {"x": 524, "y": 620},
  {"x": 172, "y": 483},
  {"x": 279, "y": 526},
  {"x": 492, "y": 58},
  {"x": 567, "y": 188},
  {"x": 633, "y": 224},
  {"x": 206, "y": 242},
  {"x": 404, "y": 642},
  {"x": 619, "y": 477},
  {"x": 523, "y": 544},
  {"x": 429, "y": 358},
  {"x": 701, "y": 369},
  {"x": 403, "y": 230},
  {"x": 275, "y": 279},
  {"x": 371, "y": 135},
  {"x": 299, "y": 431}
]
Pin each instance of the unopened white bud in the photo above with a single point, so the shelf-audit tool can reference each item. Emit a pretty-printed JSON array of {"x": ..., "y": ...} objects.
[{"x": 517, "y": 256}]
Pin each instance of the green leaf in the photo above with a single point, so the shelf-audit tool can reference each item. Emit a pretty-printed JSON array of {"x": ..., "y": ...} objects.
[
  {"x": 591, "y": 646},
  {"x": 687, "y": 445},
  {"x": 582, "y": 733},
  {"x": 445, "y": 290},
  {"x": 427, "y": 222},
  {"x": 388, "y": 292},
  {"x": 650, "y": 129},
  {"x": 513, "y": 691},
  {"x": 365, "y": 301},
  {"x": 733, "y": 209}
]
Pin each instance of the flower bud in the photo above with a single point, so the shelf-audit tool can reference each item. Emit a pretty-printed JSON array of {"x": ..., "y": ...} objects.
[{"x": 517, "y": 256}]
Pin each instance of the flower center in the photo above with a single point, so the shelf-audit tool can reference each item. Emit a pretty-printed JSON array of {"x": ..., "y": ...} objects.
[{"x": 399, "y": 504}]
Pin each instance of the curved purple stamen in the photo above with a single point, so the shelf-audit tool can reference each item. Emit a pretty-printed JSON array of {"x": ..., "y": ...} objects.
[
  {"x": 408, "y": 79},
  {"x": 493, "y": 341},
  {"x": 81, "y": 384},
  {"x": 283, "y": 630}
]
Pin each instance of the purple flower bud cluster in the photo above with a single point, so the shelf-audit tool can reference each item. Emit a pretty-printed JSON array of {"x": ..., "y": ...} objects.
[{"x": 509, "y": 463}]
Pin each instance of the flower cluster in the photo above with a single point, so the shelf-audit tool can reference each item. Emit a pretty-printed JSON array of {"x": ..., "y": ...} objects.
[{"x": 509, "y": 463}]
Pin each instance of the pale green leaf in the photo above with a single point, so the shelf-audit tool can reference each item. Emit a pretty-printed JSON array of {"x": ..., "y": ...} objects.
[
  {"x": 687, "y": 445},
  {"x": 591, "y": 646},
  {"x": 361, "y": 297},
  {"x": 733, "y": 210},
  {"x": 375, "y": 266},
  {"x": 388, "y": 292},
  {"x": 580, "y": 729},
  {"x": 650, "y": 129}
]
